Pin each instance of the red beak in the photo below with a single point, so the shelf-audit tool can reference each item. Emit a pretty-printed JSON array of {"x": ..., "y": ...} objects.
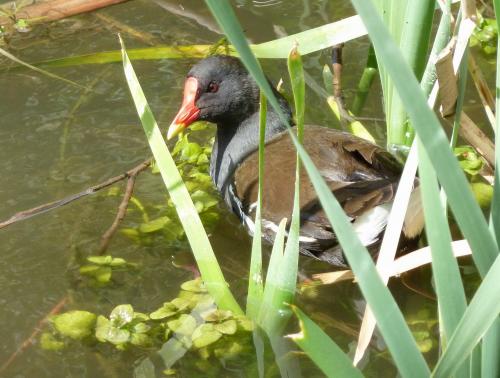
[{"x": 188, "y": 113}]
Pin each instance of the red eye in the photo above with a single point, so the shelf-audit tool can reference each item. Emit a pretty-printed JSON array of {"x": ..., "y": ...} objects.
[{"x": 213, "y": 87}]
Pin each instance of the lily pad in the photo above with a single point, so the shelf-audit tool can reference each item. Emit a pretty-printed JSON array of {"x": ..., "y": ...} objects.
[
  {"x": 195, "y": 286},
  {"x": 181, "y": 303},
  {"x": 75, "y": 324},
  {"x": 49, "y": 342},
  {"x": 230, "y": 350},
  {"x": 218, "y": 316},
  {"x": 141, "y": 339},
  {"x": 244, "y": 323},
  {"x": 168, "y": 309},
  {"x": 105, "y": 331},
  {"x": 100, "y": 260},
  {"x": 154, "y": 225},
  {"x": 121, "y": 315},
  {"x": 141, "y": 328},
  {"x": 227, "y": 328},
  {"x": 184, "y": 325},
  {"x": 204, "y": 335}
]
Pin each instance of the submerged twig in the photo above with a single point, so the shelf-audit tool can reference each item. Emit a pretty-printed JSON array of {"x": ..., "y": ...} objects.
[
  {"x": 55, "y": 204},
  {"x": 55, "y": 10},
  {"x": 122, "y": 210},
  {"x": 31, "y": 339}
]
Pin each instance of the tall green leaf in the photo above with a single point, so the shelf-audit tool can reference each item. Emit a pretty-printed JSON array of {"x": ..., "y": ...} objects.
[
  {"x": 483, "y": 310},
  {"x": 255, "y": 285},
  {"x": 198, "y": 239},
  {"x": 447, "y": 280},
  {"x": 321, "y": 349}
]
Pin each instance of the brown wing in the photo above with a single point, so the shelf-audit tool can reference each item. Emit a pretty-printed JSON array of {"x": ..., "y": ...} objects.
[{"x": 360, "y": 174}]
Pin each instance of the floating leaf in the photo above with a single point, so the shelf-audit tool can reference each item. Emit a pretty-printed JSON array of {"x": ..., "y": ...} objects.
[
  {"x": 154, "y": 225},
  {"x": 75, "y": 324},
  {"x": 141, "y": 339},
  {"x": 181, "y": 303},
  {"x": 140, "y": 316},
  {"x": 184, "y": 325},
  {"x": 204, "y": 353},
  {"x": 483, "y": 193},
  {"x": 100, "y": 260},
  {"x": 468, "y": 159},
  {"x": 227, "y": 328},
  {"x": 244, "y": 323},
  {"x": 103, "y": 274},
  {"x": 229, "y": 351},
  {"x": 218, "y": 316},
  {"x": 141, "y": 328},
  {"x": 105, "y": 331},
  {"x": 121, "y": 315},
  {"x": 190, "y": 152},
  {"x": 195, "y": 286},
  {"x": 168, "y": 309},
  {"x": 204, "y": 335},
  {"x": 49, "y": 342}
]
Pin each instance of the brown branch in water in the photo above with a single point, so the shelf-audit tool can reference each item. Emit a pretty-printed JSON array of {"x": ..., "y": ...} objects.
[
  {"x": 31, "y": 339},
  {"x": 54, "y": 10},
  {"x": 122, "y": 211},
  {"x": 56, "y": 204}
]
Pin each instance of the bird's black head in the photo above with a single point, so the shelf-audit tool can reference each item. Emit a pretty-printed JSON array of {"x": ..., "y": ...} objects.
[{"x": 218, "y": 89}]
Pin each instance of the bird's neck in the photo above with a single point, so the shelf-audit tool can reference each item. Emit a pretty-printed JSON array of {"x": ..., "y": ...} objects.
[{"x": 234, "y": 142}]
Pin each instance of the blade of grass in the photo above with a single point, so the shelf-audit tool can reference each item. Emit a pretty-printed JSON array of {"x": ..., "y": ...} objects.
[
  {"x": 467, "y": 212},
  {"x": 446, "y": 273},
  {"x": 198, "y": 239},
  {"x": 483, "y": 310},
  {"x": 43, "y": 72},
  {"x": 255, "y": 285},
  {"x": 268, "y": 318},
  {"x": 491, "y": 343},
  {"x": 391, "y": 322},
  {"x": 321, "y": 349},
  {"x": 495, "y": 203}
]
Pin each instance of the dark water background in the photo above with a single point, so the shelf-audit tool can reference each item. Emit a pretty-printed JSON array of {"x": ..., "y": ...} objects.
[{"x": 48, "y": 151}]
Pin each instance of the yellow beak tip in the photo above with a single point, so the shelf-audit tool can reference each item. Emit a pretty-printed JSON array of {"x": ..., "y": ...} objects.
[{"x": 174, "y": 130}]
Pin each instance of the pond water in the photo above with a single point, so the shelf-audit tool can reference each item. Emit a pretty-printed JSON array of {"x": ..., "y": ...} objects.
[{"x": 57, "y": 139}]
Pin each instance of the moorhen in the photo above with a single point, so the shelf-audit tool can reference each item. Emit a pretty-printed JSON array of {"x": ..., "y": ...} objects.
[{"x": 362, "y": 176}]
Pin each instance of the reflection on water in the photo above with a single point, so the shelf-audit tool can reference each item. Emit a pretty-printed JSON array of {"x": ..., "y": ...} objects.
[{"x": 58, "y": 139}]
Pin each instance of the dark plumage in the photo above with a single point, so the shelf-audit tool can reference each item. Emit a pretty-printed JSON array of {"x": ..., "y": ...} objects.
[{"x": 361, "y": 175}]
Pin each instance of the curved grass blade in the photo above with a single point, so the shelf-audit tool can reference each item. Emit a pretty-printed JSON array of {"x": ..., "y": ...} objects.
[
  {"x": 255, "y": 285},
  {"x": 320, "y": 348},
  {"x": 198, "y": 239},
  {"x": 447, "y": 280},
  {"x": 391, "y": 322},
  {"x": 482, "y": 312},
  {"x": 270, "y": 306},
  {"x": 43, "y": 72}
]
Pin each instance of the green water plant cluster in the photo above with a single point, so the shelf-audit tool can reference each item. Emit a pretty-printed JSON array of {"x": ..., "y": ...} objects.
[
  {"x": 190, "y": 321},
  {"x": 99, "y": 269},
  {"x": 192, "y": 161},
  {"x": 485, "y": 35}
]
